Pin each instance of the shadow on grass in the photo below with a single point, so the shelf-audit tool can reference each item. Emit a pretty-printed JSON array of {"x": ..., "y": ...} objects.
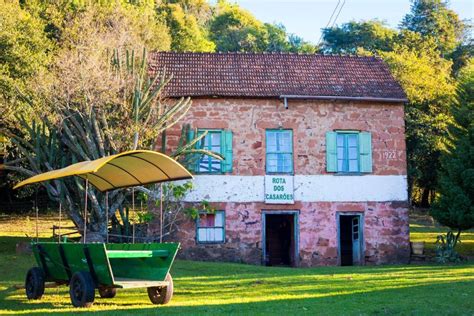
[
  {"x": 415, "y": 300},
  {"x": 242, "y": 289}
]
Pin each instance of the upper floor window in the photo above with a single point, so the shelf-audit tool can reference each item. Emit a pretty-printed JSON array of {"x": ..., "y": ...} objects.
[
  {"x": 348, "y": 152},
  {"x": 217, "y": 141},
  {"x": 212, "y": 142},
  {"x": 211, "y": 227},
  {"x": 279, "y": 153}
]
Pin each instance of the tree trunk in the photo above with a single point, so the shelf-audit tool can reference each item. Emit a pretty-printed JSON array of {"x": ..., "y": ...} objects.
[{"x": 425, "y": 198}]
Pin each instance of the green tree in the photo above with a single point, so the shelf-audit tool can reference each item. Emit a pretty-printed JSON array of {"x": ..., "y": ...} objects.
[
  {"x": 24, "y": 53},
  {"x": 298, "y": 45},
  {"x": 348, "y": 38},
  {"x": 425, "y": 77},
  {"x": 41, "y": 39},
  {"x": 233, "y": 29},
  {"x": 133, "y": 21},
  {"x": 454, "y": 206},
  {"x": 187, "y": 31},
  {"x": 433, "y": 18},
  {"x": 102, "y": 106},
  {"x": 277, "y": 38},
  {"x": 461, "y": 55}
]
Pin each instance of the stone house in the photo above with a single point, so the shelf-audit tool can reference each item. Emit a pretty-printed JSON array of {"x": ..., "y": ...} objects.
[{"x": 315, "y": 160}]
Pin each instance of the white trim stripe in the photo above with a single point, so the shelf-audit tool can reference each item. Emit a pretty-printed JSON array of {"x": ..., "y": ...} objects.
[{"x": 308, "y": 188}]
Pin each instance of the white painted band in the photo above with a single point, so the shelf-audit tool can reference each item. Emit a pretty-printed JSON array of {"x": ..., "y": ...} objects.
[{"x": 308, "y": 188}]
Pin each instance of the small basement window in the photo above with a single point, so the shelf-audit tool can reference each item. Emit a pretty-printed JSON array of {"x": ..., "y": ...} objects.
[{"x": 211, "y": 227}]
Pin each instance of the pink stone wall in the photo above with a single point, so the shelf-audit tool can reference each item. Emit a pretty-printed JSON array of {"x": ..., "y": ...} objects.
[
  {"x": 310, "y": 120},
  {"x": 385, "y": 233},
  {"x": 386, "y": 230}
]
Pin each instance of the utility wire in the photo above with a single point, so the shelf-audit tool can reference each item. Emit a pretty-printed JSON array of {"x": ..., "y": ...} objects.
[
  {"x": 330, "y": 19},
  {"x": 335, "y": 19},
  {"x": 340, "y": 9}
]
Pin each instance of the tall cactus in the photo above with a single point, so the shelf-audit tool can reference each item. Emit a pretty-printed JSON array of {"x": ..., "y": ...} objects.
[{"x": 79, "y": 131}]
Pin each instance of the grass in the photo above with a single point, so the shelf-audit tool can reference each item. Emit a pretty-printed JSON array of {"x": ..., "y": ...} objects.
[
  {"x": 422, "y": 228},
  {"x": 223, "y": 288}
]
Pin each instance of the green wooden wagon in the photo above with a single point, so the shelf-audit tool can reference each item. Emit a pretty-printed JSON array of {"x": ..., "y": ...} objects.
[
  {"x": 106, "y": 267},
  {"x": 85, "y": 266}
]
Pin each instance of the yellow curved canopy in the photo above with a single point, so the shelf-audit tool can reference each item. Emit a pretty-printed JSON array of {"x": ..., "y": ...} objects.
[{"x": 130, "y": 168}]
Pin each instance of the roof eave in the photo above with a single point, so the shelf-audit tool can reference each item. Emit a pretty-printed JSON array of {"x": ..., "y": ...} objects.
[
  {"x": 336, "y": 97},
  {"x": 308, "y": 97}
]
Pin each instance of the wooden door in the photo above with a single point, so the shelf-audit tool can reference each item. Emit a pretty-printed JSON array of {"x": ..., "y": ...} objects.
[{"x": 356, "y": 240}]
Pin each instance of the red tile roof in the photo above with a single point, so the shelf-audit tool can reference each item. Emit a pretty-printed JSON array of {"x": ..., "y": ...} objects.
[{"x": 276, "y": 75}]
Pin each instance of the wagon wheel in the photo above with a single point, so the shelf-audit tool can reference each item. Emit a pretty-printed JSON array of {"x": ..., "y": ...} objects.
[
  {"x": 82, "y": 289},
  {"x": 107, "y": 292},
  {"x": 161, "y": 294},
  {"x": 34, "y": 283}
]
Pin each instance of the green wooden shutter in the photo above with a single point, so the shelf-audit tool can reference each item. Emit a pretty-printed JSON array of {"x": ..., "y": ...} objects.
[
  {"x": 226, "y": 151},
  {"x": 365, "y": 151},
  {"x": 331, "y": 152},
  {"x": 190, "y": 137}
]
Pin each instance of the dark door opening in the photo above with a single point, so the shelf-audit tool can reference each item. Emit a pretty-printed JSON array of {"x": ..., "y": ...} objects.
[
  {"x": 350, "y": 240},
  {"x": 279, "y": 239}
]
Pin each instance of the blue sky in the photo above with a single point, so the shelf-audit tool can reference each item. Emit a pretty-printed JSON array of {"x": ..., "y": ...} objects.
[{"x": 305, "y": 18}]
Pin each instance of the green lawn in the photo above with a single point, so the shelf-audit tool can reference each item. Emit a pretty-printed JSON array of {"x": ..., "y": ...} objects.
[
  {"x": 423, "y": 229},
  {"x": 222, "y": 288}
]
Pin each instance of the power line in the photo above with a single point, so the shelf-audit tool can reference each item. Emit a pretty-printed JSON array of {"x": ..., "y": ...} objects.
[
  {"x": 329, "y": 22},
  {"x": 340, "y": 9},
  {"x": 332, "y": 15}
]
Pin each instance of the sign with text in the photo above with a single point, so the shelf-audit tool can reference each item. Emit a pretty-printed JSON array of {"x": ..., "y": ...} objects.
[{"x": 279, "y": 189}]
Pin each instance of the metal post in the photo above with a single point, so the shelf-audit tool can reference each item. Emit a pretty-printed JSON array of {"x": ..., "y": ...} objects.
[
  {"x": 85, "y": 212},
  {"x": 161, "y": 212},
  {"x": 107, "y": 217},
  {"x": 36, "y": 210},
  {"x": 59, "y": 228},
  {"x": 133, "y": 233},
  {"x": 133, "y": 210},
  {"x": 133, "y": 199}
]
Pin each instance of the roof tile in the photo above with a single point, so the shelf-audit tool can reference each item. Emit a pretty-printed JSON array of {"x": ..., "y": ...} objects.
[{"x": 274, "y": 75}]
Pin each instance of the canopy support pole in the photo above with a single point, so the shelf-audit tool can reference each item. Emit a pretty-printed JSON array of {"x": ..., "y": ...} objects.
[
  {"x": 107, "y": 217},
  {"x": 133, "y": 199},
  {"x": 161, "y": 212},
  {"x": 37, "y": 215},
  {"x": 59, "y": 227},
  {"x": 133, "y": 233},
  {"x": 85, "y": 212},
  {"x": 133, "y": 208}
]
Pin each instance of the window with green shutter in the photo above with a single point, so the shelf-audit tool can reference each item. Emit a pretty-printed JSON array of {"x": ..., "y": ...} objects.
[
  {"x": 279, "y": 151},
  {"x": 349, "y": 152},
  {"x": 218, "y": 141}
]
